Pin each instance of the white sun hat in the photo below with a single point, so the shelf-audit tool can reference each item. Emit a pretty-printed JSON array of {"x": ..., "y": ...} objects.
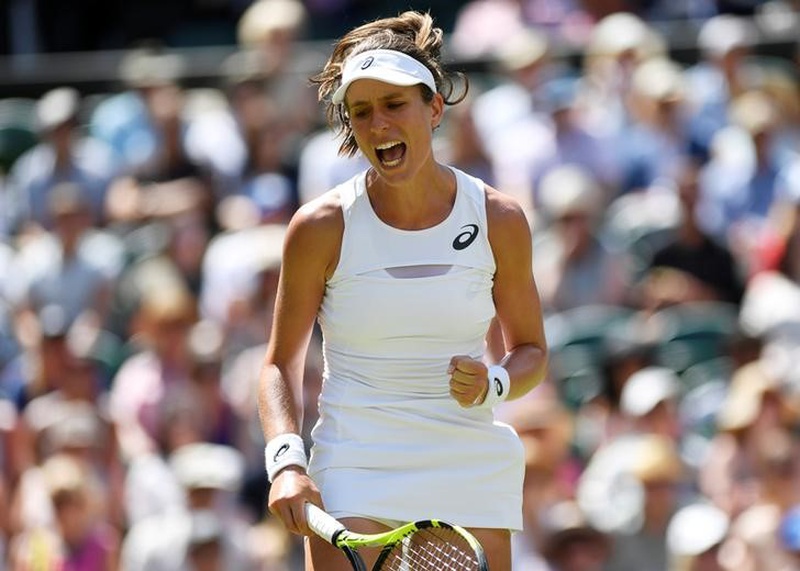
[
  {"x": 647, "y": 388},
  {"x": 389, "y": 66},
  {"x": 696, "y": 528}
]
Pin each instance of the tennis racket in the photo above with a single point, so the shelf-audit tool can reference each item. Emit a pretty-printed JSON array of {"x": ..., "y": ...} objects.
[{"x": 426, "y": 545}]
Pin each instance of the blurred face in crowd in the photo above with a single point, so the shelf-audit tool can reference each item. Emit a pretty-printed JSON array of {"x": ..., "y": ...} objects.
[
  {"x": 663, "y": 419},
  {"x": 576, "y": 229},
  {"x": 60, "y": 138},
  {"x": 206, "y": 556},
  {"x": 70, "y": 226},
  {"x": 660, "y": 501},
  {"x": 582, "y": 554},
  {"x": 55, "y": 355},
  {"x": 708, "y": 561},
  {"x": 73, "y": 514}
]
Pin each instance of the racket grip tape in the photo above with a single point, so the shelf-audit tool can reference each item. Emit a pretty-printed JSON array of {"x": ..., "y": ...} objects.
[{"x": 323, "y": 524}]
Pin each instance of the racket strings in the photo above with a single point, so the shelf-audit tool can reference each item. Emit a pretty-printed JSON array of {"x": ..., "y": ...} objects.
[{"x": 431, "y": 549}]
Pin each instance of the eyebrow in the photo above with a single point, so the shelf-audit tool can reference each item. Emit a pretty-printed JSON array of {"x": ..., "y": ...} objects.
[{"x": 387, "y": 97}]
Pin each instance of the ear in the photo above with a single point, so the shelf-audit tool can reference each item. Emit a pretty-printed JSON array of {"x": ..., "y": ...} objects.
[{"x": 437, "y": 110}]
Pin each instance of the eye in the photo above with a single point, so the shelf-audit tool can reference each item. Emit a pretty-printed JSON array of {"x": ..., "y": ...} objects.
[{"x": 395, "y": 104}]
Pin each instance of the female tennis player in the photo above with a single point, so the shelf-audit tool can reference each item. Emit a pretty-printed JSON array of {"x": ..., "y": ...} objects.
[{"x": 404, "y": 266}]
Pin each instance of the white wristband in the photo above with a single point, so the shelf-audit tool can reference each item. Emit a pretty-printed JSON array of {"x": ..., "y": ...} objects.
[
  {"x": 499, "y": 386},
  {"x": 282, "y": 451}
]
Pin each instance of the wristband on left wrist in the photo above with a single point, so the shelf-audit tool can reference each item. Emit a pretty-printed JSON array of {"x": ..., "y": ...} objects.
[{"x": 499, "y": 386}]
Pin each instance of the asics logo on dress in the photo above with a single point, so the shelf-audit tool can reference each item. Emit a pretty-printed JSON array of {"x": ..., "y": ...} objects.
[
  {"x": 467, "y": 237},
  {"x": 280, "y": 452}
]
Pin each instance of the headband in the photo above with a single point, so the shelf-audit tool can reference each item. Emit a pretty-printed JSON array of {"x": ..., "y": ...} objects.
[{"x": 389, "y": 66}]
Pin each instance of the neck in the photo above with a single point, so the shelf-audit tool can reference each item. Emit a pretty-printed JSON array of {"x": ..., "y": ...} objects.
[{"x": 414, "y": 204}]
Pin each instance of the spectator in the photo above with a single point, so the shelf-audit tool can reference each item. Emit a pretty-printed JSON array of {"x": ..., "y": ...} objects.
[
  {"x": 612, "y": 489},
  {"x": 658, "y": 469},
  {"x": 779, "y": 247},
  {"x": 690, "y": 265},
  {"x": 754, "y": 410},
  {"x": 320, "y": 167},
  {"x": 166, "y": 239},
  {"x": 724, "y": 71},
  {"x": 573, "y": 141},
  {"x": 239, "y": 280},
  {"x": 618, "y": 43},
  {"x": 58, "y": 269},
  {"x": 624, "y": 350},
  {"x": 252, "y": 158},
  {"x": 168, "y": 181},
  {"x": 573, "y": 265},
  {"x": 696, "y": 535},
  {"x": 210, "y": 476},
  {"x": 656, "y": 138},
  {"x": 766, "y": 527},
  {"x": 546, "y": 430},
  {"x": 739, "y": 183},
  {"x": 158, "y": 371},
  {"x": 462, "y": 146},
  {"x": 790, "y": 535},
  {"x": 63, "y": 155},
  {"x": 513, "y": 131},
  {"x": 273, "y": 29},
  {"x": 35, "y": 370},
  {"x": 81, "y": 538},
  {"x": 649, "y": 400},
  {"x": 571, "y": 543},
  {"x": 483, "y": 26},
  {"x": 8, "y": 419},
  {"x": 221, "y": 425},
  {"x": 122, "y": 120}
]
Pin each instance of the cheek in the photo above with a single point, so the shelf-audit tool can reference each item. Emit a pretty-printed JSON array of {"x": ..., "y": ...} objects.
[{"x": 360, "y": 136}]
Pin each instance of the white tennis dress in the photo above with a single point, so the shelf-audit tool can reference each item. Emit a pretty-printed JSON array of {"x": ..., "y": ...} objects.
[{"x": 390, "y": 442}]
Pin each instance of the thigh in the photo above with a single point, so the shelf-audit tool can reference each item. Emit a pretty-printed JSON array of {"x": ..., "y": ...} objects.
[
  {"x": 497, "y": 546},
  {"x": 322, "y": 556}
]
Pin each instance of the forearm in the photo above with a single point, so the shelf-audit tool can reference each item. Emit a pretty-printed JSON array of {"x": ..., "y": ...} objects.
[
  {"x": 527, "y": 367},
  {"x": 280, "y": 405}
]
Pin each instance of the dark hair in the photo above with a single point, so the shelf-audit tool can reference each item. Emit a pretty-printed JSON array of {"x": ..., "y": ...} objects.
[{"x": 412, "y": 33}]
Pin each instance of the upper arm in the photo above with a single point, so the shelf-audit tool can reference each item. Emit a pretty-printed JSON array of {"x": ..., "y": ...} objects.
[
  {"x": 310, "y": 255},
  {"x": 516, "y": 297}
]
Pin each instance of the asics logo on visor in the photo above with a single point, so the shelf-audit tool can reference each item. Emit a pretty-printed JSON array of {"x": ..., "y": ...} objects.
[
  {"x": 367, "y": 62},
  {"x": 466, "y": 238}
]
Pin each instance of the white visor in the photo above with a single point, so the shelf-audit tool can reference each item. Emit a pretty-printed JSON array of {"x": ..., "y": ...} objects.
[{"x": 389, "y": 66}]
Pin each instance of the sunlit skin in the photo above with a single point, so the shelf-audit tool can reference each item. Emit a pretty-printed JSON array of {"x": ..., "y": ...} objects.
[
  {"x": 408, "y": 190},
  {"x": 381, "y": 113}
]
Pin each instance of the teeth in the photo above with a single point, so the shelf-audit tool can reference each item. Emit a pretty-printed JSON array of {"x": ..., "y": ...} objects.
[{"x": 389, "y": 145}]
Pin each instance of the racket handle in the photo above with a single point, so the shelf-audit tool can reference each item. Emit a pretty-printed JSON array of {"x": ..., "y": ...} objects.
[{"x": 323, "y": 524}]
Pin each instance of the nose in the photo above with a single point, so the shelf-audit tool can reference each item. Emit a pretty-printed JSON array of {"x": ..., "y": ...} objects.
[{"x": 379, "y": 122}]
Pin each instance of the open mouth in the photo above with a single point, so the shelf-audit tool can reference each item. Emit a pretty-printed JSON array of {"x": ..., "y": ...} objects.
[{"x": 391, "y": 154}]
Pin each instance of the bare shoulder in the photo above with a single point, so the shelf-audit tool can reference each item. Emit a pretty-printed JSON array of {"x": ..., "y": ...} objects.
[
  {"x": 319, "y": 213},
  {"x": 315, "y": 230},
  {"x": 506, "y": 217}
]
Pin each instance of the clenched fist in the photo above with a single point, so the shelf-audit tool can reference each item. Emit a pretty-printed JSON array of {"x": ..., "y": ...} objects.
[{"x": 469, "y": 380}]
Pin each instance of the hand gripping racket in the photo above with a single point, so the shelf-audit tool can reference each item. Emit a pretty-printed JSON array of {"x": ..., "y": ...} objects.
[{"x": 426, "y": 545}]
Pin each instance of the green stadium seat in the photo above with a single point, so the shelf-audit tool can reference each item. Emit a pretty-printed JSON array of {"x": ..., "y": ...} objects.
[
  {"x": 695, "y": 332},
  {"x": 577, "y": 342},
  {"x": 17, "y": 129}
]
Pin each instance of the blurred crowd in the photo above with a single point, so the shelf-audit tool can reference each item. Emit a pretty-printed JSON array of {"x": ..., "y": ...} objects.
[{"x": 140, "y": 244}]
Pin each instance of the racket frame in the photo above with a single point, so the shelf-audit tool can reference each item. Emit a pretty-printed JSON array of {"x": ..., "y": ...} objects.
[{"x": 334, "y": 532}]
